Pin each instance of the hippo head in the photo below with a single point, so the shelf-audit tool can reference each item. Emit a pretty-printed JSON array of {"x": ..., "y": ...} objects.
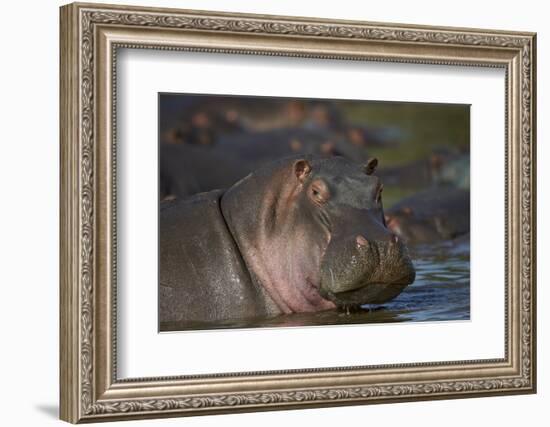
[{"x": 312, "y": 233}]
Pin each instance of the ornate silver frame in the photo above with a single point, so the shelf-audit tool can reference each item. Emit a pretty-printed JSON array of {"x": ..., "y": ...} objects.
[{"x": 90, "y": 36}]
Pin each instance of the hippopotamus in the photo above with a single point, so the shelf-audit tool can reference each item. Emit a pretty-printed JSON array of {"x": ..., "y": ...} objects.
[
  {"x": 444, "y": 166},
  {"x": 435, "y": 214},
  {"x": 259, "y": 146},
  {"x": 186, "y": 169},
  {"x": 301, "y": 234}
]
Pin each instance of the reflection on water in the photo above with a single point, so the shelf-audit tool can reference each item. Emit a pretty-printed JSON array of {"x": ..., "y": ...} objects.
[{"x": 440, "y": 292}]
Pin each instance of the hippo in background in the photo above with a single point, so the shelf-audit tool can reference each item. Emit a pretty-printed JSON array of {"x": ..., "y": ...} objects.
[
  {"x": 443, "y": 166},
  {"x": 193, "y": 116},
  {"x": 301, "y": 234},
  {"x": 187, "y": 169},
  {"x": 437, "y": 202},
  {"x": 203, "y": 120},
  {"x": 435, "y": 214},
  {"x": 277, "y": 143}
]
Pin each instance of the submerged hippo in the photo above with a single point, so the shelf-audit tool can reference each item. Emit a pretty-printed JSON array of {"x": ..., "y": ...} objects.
[
  {"x": 298, "y": 235},
  {"x": 439, "y": 213},
  {"x": 186, "y": 169}
]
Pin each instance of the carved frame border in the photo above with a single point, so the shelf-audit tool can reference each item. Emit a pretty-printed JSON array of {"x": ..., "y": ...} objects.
[{"x": 90, "y": 36}]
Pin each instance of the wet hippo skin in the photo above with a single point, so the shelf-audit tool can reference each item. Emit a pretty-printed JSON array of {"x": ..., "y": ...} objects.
[
  {"x": 298, "y": 235},
  {"x": 202, "y": 275}
]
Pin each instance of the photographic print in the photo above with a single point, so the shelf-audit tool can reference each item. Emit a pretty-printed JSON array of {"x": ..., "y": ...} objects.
[
  {"x": 332, "y": 205},
  {"x": 302, "y": 212}
]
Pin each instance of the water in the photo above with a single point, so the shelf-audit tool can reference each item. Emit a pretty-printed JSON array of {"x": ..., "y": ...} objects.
[{"x": 440, "y": 292}]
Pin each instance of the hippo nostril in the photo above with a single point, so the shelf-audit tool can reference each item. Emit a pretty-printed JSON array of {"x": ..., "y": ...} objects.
[{"x": 361, "y": 241}]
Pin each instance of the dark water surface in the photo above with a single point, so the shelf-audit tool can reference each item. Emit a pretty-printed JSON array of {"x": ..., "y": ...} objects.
[{"x": 440, "y": 292}]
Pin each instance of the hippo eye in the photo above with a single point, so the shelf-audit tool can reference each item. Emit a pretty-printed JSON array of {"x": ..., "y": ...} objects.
[
  {"x": 319, "y": 193},
  {"x": 317, "y": 196}
]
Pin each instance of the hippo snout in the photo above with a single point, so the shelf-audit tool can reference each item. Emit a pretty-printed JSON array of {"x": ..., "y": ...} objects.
[{"x": 361, "y": 271}]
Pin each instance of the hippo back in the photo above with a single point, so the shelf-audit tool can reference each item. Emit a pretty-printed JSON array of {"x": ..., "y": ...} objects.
[{"x": 202, "y": 275}]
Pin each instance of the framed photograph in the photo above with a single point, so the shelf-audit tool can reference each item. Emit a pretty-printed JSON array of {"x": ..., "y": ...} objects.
[{"x": 266, "y": 212}]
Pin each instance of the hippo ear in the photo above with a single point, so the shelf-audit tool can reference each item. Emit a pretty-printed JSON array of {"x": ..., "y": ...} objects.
[
  {"x": 302, "y": 168},
  {"x": 370, "y": 166}
]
